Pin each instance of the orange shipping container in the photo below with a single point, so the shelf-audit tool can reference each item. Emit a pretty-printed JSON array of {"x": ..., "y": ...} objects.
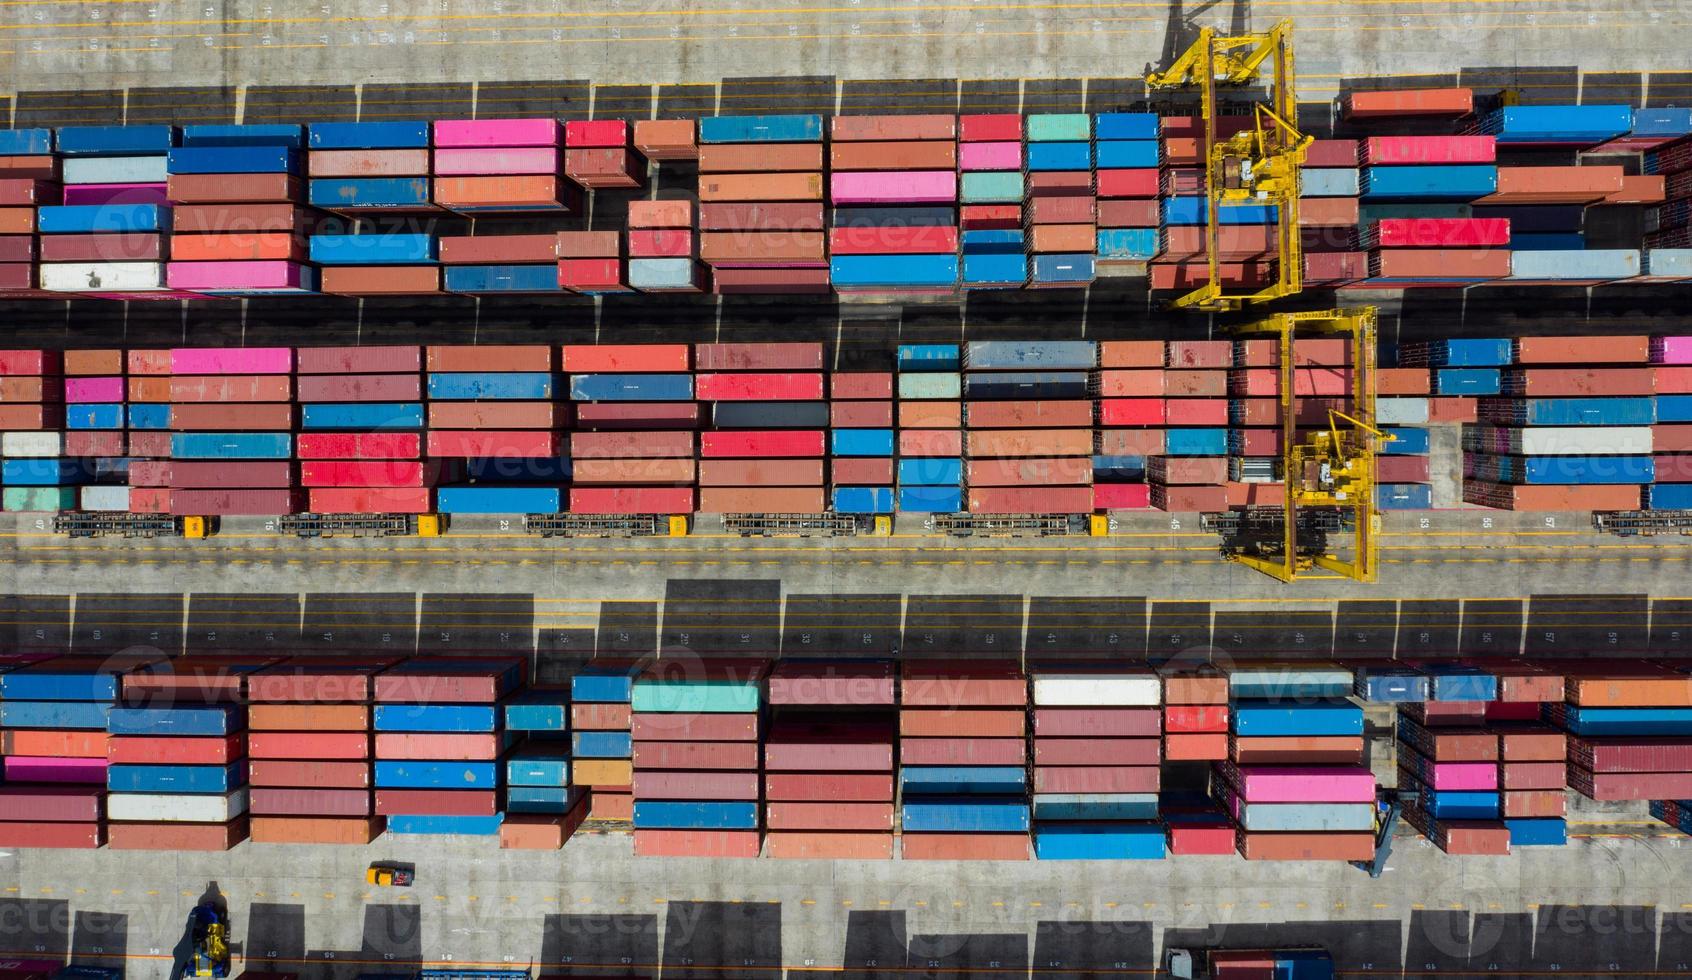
[
  {"x": 731, "y": 158},
  {"x": 16, "y": 388},
  {"x": 1554, "y": 185},
  {"x": 760, "y": 472},
  {"x": 54, "y": 744},
  {"x": 1410, "y": 102},
  {"x": 498, "y": 415},
  {"x": 308, "y": 717},
  {"x": 762, "y": 246},
  {"x": 1403, "y": 381},
  {"x": 1195, "y": 689},
  {"x": 233, "y": 189},
  {"x": 1138, "y": 383},
  {"x": 519, "y": 191},
  {"x": 308, "y": 745},
  {"x": 640, "y": 471},
  {"x": 1030, "y": 442},
  {"x": 316, "y": 830},
  {"x": 176, "y": 836},
  {"x": 1296, "y": 846},
  {"x": 1440, "y": 263},
  {"x": 240, "y": 246},
  {"x": 930, "y": 442},
  {"x": 760, "y": 187},
  {"x": 1583, "y": 350},
  {"x": 962, "y": 723},
  {"x": 760, "y": 500},
  {"x": 930, "y": 415},
  {"x": 1131, "y": 353},
  {"x": 602, "y": 772},
  {"x": 94, "y": 362},
  {"x": 666, "y": 139},
  {"x": 903, "y": 155},
  {"x": 660, "y": 214},
  {"x": 17, "y": 221},
  {"x": 1631, "y": 692},
  {"x": 1328, "y": 212},
  {"x": 393, "y": 280},
  {"x": 933, "y": 126},
  {"x": 1064, "y": 238}
]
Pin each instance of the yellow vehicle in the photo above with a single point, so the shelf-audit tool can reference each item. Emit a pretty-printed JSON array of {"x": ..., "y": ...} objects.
[{"x": 388, "y": 876}]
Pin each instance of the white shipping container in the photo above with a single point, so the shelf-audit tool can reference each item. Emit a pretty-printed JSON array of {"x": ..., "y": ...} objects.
[
  {"x": 1593, "y": 263},
  {"x": 1582, "y": 440},
  {"x": 663, "y": 273},
  {"x": 1098, "y": 690},
  {"x": 177, "y": 807},
  {"x": 114, "y": 170},
  {"x": 1321, "y": 817},
  {"x": 105, "y": 498},
  {"x": 1388, "y": 411},
  {"x": 1669, "y": 263},
  {"x": 1328, "y": 182},
  {"x": 32, "y": 445},
  {"x": 102, "y": 277}
]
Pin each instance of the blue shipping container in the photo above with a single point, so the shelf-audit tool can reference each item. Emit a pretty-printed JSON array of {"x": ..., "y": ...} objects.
[
  {"x": 206, "y": 720},
  {"x": 863, "y": 500},
  {"x": 930, "y": 357},
  {"x": 1405, "y": 442},
  {"x": 1196, "y": 442},
  {"x": 26, "y": 142},
  {"x": 1607, "y": 721},
  {"x": 609, "y": 683},
  {"x": 413, "y": 135},
  {"x": 1095, "y": 806},
  {"x": 806, "y": 128},
  {"x": 231, "y": 445},
  {"x": 362, "y": 416},
  {"x": 1130, "y": 244},
  {"x": 931, "y": 500},
  {"x": 79, "y": 715},
  {"x": 930, "y": 471},
  {"x": 379, "y": 249},
  {"x": 232, "y": 160},
  {"x": 1127, "y": 126},
  {"x": 1574, "y": 125},
  {"x": 861, "y": 442},
  {"x": 601, "y": 745},
  {"x": 993, "y": 241},
  {"x": 149, "y": 415},
  {"x": 442, "y": 718},
  {"x": 502, "y": 279},
  {"x": 1461, "y": 804},
  {"x": 995, "y": 271},
  {"x": 455, "y": 826},
  {"x": 1454, "y": 682},
  {"x": 411, "y": 774},
  {"x": 539, "y": 711},
  {"x": 680, "y": 815},
  {"x": 1059, "y": 156},
  {"x": 663, "y": 273},
  {"x": 350, "y": 193},
  {"x": 971, "y": 780},
  {"x": 292, "y": 137},
  {"x": 79, "y": 219},
  {"x": 1468, "y": 381},
  {"x": 1023, "y": 355},
  {"x": 1064, "y": 268},
  {"x": 1592, "y": 411},
  {"x": 1299, "y": 719},
  {"x": 499, "y": 500},
  {"x": 1026, "y": 384},
  {"x": 94, "y": 416},
  {"x": 893, "y": 271},
  {"x": 985, "y": 815},
  {"x": 43, "y": 472},
  {"x": 1674, "y": 408},
  {"x": 115, "y": 141},
  {"x": 478, "y": 386},
  {"x": 539, "y": 767},
  {"x": 1597, "y": 263},
  {"x": 1195, "y": 211},
  {"x": 543, "y": 799},
  {"x": 1126, "y": 154},
  {"x": 1447, "y": 182},
  {"x": 1669, "y": 496},
  {"x": 1392, "y": 686},
  {"x": 631, "y": 387},
  {"x": 1403, "y": 496},
  {"x": 1541, "y": 832},
  {"x": 1099, "y": 841},
  {"x": 176, "y": 779}
]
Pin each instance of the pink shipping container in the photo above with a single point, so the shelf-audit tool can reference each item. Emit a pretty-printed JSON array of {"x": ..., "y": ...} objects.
[
  {"x": 761, "y": 444},
  {"x": 254, "y": 274},
  {"x": 1389, "y": 150},
  {"x": 500, "y": 160},
  {"x": 758, "y": 357},
  {"x": 94, "y": 390},
  {"x": 631, "y": 445},
  {"x": 351, "y": 360},
  {"x": 626, "y": 358},
  {"x": 596, "y": 133},
  {"x": 758, "y": 387},
  {"x": 1482, "y": 776},
  {"x": 1131, "y": 411},
  {"x": 231, "y": 360},
  {"x": 1441, "y": 233},
  {"x": 895, "y": 187},
  {"x": 715, "y": 756},
  {"x": 239, "y": 388},
  {"x": 224, "y": 474},
  {"x": 29, "y": 362},
  {"x": 1121, "y": 496},
  {"x": 1302, "y": 784},
  {"x": 255, "y": 503},
  {"x": 963, "y": 751},
  {"x": 631, "y": 500},
  {"x": 497, "y": 132},
  {"x": 372, "y": 445},
  {"x": 650, "y": 784},
  {"x": 361, "y": 388},
  {"x": 990, "y": 156},
  {"x": 37, "y": 769},
  {"x": 362, "y": 473},
  {"x": 1671, "y": 350},
  {"x": 371, "y": 500},
  {"x": 699, "y": 727}
]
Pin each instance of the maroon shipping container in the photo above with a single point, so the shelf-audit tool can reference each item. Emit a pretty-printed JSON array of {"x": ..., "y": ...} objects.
[
  {"x": 225, "y": 474},
  {"x": 854, "y": 752},
  {"x": 358, "y": 360},
  {"x": 361, "y": 388},
  {"x": 1096, "y": 779},
  {"x": 252, "y": 503},
  {"x": 758, "y": 357},
  {"x": 285, "y": 802},
  {"x": 437, "y": 802},
  {"x": 682, "y": 726},
  {"x": 861, "y": 415},
  {"x": 1629, "y": 755},
  {"x": 844, "y": 787},
  {"x": 94, "y": 444},
  {"x": 606, "y": 416},
  {"x": 1028, "y": 414},
  {"x": 860, "y": 384},
  {"x": 829, "y": 816},
  {"x": 1401, "y": 469},
  {"x": 632, "y": 445},
  {"x": 587, "y": 716},
  {"x": 798, "y": 682},
  {"x": 1532, "y": 775},
  {"x": 231, "y": 417},
  {"x": 963, "y": 751},
  {"x": 176, "y": 836},
  {"x": 1098, "y": 722},
  {"x": 1097, "y": 751},
  {"x": 481, "y": 682},
  {"x": 660, "y": 784},
  {"x": 58, "y": 804},
  {"x": 100, "y": 248},
  {"x": 695, "y": 755},
  {"x": 61, "y": 835},
  {"x": 497, "y": 249},
  {"x": 298, "y": 772},
  {"x": 774, "y": 216},
  {"x": 1605, "y": 786}
]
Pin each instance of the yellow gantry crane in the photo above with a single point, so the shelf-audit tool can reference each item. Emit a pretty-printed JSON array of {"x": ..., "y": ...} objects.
[
  {"x": 1258, "y": 166},
  {"x": 1333, "y": 470}
]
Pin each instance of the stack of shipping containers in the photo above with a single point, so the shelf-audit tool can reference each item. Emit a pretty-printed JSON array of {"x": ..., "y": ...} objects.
[
  {"x": 148, "y": 438},
  {"x": 930, "y": 466},
  {"x": 601, "y": 746},
  {"x": 1452, "y": 766},
  {"x": 95, "y": 408},
  {"x": 493, "y": 410},
  {"x": 236, "y": 166},
  {"x": 1096, "y": 794},
  {"x": 360, "y": 444},
  {"x": 310, "y": 749},
  {"x": 372, "y": 170},
  {"x": 828, "y": 760},
  {"x": 1328, "y": 214},
  {"x": 1191, "y": 474},
  {"x": 1410, "y": 179},
  {"x": 990, "y": 191},
  {"x": 861, "y": 442},
  {"x": 666, "y": 140},
  {"x": 1295, "y": 782},
  {"x": 661, "y": 230},
  {"x": 1195, "y": 716},
  {"x": 634, "y": 448},
  {"x": 1028, "y": 413},
  {"x": 1061, "y": 217},
  {"x": 542, "y": 806},
  {"x": 696, "y": 732},
  {"x": 765, "y": 451},
  {"x": 53, "y": 717},
  {"x": 1565, "y": 436},
  {"x": 1129, "y": 422},
  {"x": 439, "y": 735},
  {"x": 108, "y": 237},
  {"x": 761, "y": 200},
  {"x": 494, "y": 167},
  {"x": 1127, "y": 158},
  {"x": 599, "y": 155},
  {"x": 893, "y": 182},
  {"x": 591, "y": 262},
  {"x": 1671, "y": 437},
  {"x": 953, "y": 803},
  {"x": 29, "y": 178},
  {"x": 1532, "y": 756},
  {"x": 177, "y": 776},
  {"x": 1627, "y": 727},
  {"x": 232, "y": 423}
]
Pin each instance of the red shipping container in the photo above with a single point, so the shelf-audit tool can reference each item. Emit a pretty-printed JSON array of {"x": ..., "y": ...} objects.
[
  {"x": 495, "y": 444},
  {"x": 308, "y": 745},
  {"x": 930, "y": 442},
  {"x": 350, "y": 473},
  {"x": 1097, "y": 751},
  {"x": 697, "y": 843},
  {"x": 280, "y": 801},
  {"x": 250, "y": 503},
  {"x": 765, "y": 216},
  {"x": 314, "y": 773},
  {"x": 371, "y": 500},
  {"x": 592, "y": 275},
  {"x": 1401, "y": 469},
  {"x": 990, "y": 128},
  {"x": 1196, "y": 411},
  {"x": 1132, "y": 411},
  {"x": 1096, "y": 779},
  {"x": 596, "y": 132},
  {"x": 357, "y": 388},
  {"x": 661, "y": 243},
  {"x": 1394, "y": 150},
  {"x": 1023, "y": 500},
  {"x": 694, "y": 755},
  {"x": 1098, "y": 722},
  {"x": 625, "y": 358},
  {"x": 1536, "y": 803},
  {"x": 758, "y": 387},
  {"x": 55, "y": 744},
  {"x": 1194, "y": 748},
  {"x": 148, "y": 750},
  {"x": 436, "y": 802},
  {"x": 964, "y": 847},
  {"x": 1201, "y": 838},
  {"x": 438, "y": 746},
  {"x": 52, "y": 803},
  {"x": 1195, "y": 718},
  {"x": 963, "y": 751},
  {"x": 599, "y": 717},
  {"x": 895, "y": 240},
  {"x": 829, "y": 816},
  {"x": 1001, "y": 217},
  {"x": 758, "y": 357},
  {"x": 1128, "y": 183},
  {"x": 683, "y": 726},
  {"x": 761, "y": 444},
  {"x": 631, "y": 500},
  {"x": 371, "y": 445},
  {"x": 660, "y": 784},
  {"x": 844, "y": 787},
  {"x": 57, "y": 835},
  {"x": 1121, "y": 496}
]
